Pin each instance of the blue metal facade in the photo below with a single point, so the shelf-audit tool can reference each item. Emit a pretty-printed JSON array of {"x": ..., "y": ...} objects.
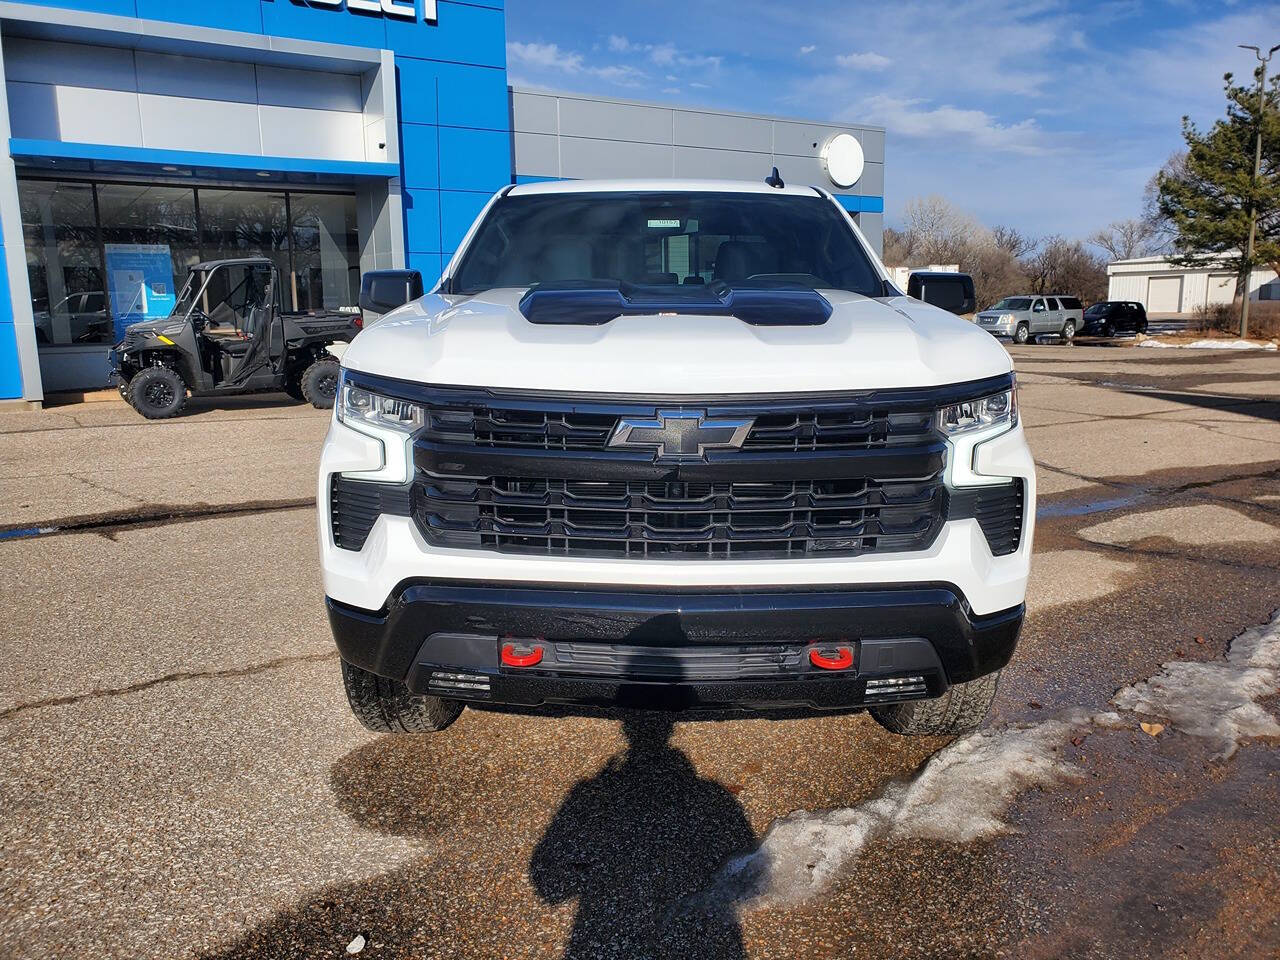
[{"x": 455, "y": 139}]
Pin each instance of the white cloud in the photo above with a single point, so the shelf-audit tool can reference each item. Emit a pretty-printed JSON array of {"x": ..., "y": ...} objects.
[
  {"x": 619, "y": 44},
  {"x": 864, "y": 61},
  {"x": 807, "y": 49},
  {"x": 914, "y": 118},
  {"x": 548, "y": 56}
]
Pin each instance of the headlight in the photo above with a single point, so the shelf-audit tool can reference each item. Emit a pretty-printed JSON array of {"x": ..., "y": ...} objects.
[
  {"x": 355, "y": 405},
  {"x": 1006, "y": 318},
  {"x": 999, "y": 408}
]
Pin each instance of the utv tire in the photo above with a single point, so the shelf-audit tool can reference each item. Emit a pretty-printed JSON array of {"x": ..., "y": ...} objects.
[
  {"x": 157, "y": 393},
  {"x": 1022, "y": 333},
  {"x": 319, "y": 383},
  {"x": 387, "y": 706},
  {"x": 960, "y": 710},
  {"x": 1068, "y": 331}
]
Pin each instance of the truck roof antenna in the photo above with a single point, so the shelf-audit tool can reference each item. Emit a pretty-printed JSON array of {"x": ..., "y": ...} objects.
[{"x": 775, "y": 179}]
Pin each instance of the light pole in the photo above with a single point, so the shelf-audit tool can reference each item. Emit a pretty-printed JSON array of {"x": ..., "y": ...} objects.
[{"x": 1257, "y": 172}]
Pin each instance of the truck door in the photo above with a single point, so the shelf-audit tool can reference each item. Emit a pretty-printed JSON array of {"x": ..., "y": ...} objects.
[{"x": 1041, "y": 318}]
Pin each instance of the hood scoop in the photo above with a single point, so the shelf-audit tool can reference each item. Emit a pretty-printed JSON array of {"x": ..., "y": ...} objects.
[{"x": 779, "y": 303}]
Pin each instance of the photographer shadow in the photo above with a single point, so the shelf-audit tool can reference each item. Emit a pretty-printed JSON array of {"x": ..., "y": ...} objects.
[{"x": 634, "y": 843}]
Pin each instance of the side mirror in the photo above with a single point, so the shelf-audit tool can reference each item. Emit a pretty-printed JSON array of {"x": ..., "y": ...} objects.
[
  {"x": 381, "y": 291},
  {"x": 952, "y": 292}
]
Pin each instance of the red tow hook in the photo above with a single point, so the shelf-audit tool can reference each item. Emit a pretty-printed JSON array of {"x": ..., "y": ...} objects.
[
  {"x": 831, "y": 658},
  {"x": 521, "y": 654}
]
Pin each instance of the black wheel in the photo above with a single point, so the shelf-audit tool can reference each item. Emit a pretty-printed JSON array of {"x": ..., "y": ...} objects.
[
  {"x": 387, "y": 706},
  {"x": 960, "y": 710},
  {"x": 1108, "y": 330},
  {"x": 1022, "y": 333},
  {"x": 1068, "y": 331},
  {"x": 319, "y": 383},
  {"x": 157, "y": 393},
  {"x": 1142, "y": 326}
]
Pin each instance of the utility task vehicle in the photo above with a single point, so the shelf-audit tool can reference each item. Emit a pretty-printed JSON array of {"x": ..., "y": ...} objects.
[
  {"x": 229, "y": 334},
  {"x": 672, "y": 445}
]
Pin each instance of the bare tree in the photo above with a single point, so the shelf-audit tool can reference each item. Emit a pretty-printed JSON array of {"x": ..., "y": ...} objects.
[
  {"x": 1125, "y": 239},
  {"x": 899, "y": 246},
  {"x": 1068, "y": 267},
  {"x": 1013, "y": 241},
  {"x": 940, "y": 233}
]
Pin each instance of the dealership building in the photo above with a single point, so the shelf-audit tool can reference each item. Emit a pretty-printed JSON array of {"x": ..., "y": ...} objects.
[{"x": 332, "y": 136}]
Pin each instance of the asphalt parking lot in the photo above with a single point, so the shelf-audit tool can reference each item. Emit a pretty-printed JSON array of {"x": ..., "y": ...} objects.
[{"x": 181, "y": 777}]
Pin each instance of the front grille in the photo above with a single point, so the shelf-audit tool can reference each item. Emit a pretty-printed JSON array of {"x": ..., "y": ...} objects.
[
  {"x": 819, "y": 475},
  {"x": 777, "y": 427},
  {"x": 680, "y": 519}
]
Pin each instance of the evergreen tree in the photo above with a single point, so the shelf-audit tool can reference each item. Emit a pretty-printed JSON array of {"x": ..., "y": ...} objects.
[{"x": 1207, "y": 197}]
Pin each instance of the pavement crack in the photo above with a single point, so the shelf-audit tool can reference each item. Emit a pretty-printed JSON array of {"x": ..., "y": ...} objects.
[
  {"x": 175, "y": 677},
  {"x": 148, "y": 515}
]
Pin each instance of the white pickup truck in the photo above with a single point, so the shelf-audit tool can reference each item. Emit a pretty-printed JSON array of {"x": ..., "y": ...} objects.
[{"x": 672, "y": 445}]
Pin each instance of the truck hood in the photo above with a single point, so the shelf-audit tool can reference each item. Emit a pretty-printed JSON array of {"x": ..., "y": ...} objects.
[{"x": 484, "y": 340}]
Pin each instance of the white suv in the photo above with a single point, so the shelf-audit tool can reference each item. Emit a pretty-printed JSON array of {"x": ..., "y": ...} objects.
[{"x": 672, "y": 445}]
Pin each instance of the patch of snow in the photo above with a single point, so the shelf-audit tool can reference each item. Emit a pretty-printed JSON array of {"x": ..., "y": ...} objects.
[
  {"x": 959, "y": 795},
  {"x": 1211, "y": 345},
  {"x": 964, "y": 790},
  {"x": 1217, "y": 700}
]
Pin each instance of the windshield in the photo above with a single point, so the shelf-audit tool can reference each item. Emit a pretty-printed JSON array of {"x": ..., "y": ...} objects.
[
  {"x": 672, "y": 239},
  {"x": 1099, "y": 310},
  {"x": 1013, "y": 303}
]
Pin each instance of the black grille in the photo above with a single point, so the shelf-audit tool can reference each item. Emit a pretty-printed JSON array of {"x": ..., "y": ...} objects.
[
  {"x": 680, "y": 519},
  {"x": 354, "y": 505},
  {"x": 998, "y": 511},
  {"x": 777, "y": 427},
  {"x": 818, "y": 475}
]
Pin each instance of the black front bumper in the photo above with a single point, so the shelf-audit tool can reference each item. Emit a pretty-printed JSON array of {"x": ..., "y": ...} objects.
[{"x": 674, "y": 648}]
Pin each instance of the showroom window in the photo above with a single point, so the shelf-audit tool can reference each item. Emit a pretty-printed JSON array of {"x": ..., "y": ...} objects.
[{"x": 103, "y": 255}]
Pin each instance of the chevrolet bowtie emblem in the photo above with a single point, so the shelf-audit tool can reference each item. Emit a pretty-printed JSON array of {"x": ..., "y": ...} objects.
[{"x": 681, "y": 434}]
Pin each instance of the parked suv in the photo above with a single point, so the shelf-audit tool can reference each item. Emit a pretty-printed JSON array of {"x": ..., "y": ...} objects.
[
  {"x": 1106, "y": 318},
  {"x": 1030, "y": 316},
  {"x": 673, "y": 445}
]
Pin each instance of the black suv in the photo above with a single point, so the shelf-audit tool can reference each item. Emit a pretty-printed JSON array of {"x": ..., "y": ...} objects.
[{"x": 1105, "y": 318}]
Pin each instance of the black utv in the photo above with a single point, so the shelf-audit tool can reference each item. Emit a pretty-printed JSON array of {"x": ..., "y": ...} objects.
[{"x": 229, "y": 334}]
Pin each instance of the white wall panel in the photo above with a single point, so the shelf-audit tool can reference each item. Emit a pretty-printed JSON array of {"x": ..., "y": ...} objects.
[
  {"x": 180, "y": 123},
  {"x": 288, "y": 132}
]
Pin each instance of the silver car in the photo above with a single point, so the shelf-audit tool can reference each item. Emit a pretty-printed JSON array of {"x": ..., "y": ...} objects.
[{"x": 1025, "y": 317}]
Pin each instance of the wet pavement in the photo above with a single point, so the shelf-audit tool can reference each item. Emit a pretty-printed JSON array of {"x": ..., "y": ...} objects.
[{"x": 182, "y": 778}]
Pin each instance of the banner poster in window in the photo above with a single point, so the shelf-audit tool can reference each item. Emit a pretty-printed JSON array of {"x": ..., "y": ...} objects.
[{"x": 140, "y": 279}]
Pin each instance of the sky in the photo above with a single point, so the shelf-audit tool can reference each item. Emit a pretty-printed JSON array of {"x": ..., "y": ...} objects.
[{"x": 1043, "y": 115}]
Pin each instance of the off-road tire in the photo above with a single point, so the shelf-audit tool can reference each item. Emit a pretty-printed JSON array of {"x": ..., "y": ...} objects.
[
  {"x": 319, "y": 383},
  {"x": 1068, "y": 331},
  {"x": 1021, "y": 333},
  {"x": 387, "y": 706},
  {"x": 157, "y": 393},
  {"x": 960, "y": 710}
]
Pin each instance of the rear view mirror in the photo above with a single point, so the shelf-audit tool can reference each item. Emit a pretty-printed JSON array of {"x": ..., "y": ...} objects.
[
  {"x": 381, "y": 291},
  {"x": 952, "y": 292}
]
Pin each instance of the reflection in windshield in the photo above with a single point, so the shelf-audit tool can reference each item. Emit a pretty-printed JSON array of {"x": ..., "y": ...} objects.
[
  {"x": 1013, "y": 303},
  {"x": 666, "y": 239}
]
